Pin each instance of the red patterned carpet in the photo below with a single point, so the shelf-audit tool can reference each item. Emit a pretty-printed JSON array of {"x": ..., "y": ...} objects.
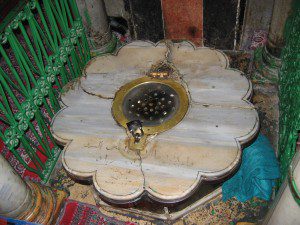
[{"x": 77, "y": 213}]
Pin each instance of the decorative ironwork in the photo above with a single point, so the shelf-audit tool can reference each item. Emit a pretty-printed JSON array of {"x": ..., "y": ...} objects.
[
  {"x": 42, "y": 47},
  {"x": 289, "y": 92}
]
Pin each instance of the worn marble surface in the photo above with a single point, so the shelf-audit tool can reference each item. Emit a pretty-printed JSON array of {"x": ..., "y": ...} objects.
[
  {"x": 229, "y": 212},
  {"x": 204, "y": 146}
]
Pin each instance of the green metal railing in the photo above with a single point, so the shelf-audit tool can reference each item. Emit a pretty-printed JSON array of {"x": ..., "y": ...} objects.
[
  {"x": 42, "y": 47},
  {"x": 289, "y": 91}
]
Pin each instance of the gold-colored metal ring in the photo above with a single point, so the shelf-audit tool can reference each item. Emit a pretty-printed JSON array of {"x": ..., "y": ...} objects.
[{"x": 117, "y": 107}]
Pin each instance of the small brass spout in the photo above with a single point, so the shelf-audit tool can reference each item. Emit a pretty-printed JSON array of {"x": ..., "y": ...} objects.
[
  {"x": 135, "y": 127},
  {"x": 137, "y": 138}
]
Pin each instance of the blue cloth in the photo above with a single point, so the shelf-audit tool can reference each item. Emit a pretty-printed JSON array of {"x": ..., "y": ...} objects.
[
  {"x": 6, "y": 220},
  {"x": 257, "y": 174}
]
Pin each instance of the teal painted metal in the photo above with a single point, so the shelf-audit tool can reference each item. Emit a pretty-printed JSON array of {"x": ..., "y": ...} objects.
[
  {"x": 42, "y": 46},
  {"x": 289, "y": 92}
]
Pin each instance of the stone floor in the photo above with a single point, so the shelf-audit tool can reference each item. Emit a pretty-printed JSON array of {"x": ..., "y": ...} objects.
[
  {"x": 216, "y": 211},
  {"x": 265, "y": 95}
]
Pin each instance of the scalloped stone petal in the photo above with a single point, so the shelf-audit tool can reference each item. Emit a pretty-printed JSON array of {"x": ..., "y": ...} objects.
[{"x": 205, "y": 145}]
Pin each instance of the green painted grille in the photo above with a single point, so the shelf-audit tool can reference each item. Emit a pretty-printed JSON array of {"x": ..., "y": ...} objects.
[
  {"x": 42, "y": 47},
  {"x": 289, "y": 91}
]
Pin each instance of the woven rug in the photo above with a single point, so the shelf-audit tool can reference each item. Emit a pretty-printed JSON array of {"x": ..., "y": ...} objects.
[{"x": 78, "y": 213}]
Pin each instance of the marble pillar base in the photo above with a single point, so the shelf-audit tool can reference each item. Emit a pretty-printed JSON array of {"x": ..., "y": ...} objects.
[
  {"x": 267, "y": 66},
  {"x": 45, "y": 204},
  {"x": 109, "y": 47}
]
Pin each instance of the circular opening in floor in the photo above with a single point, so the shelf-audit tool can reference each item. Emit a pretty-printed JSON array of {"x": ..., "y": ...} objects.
[{"x": 151, "y": 103}]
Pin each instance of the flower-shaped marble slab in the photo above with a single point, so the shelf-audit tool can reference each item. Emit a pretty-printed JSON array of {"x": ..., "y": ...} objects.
[{"x": 205, "y": 145}]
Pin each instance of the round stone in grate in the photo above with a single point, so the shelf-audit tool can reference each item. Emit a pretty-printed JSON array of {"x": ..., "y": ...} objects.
[{"x": 151, "y": 103}]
